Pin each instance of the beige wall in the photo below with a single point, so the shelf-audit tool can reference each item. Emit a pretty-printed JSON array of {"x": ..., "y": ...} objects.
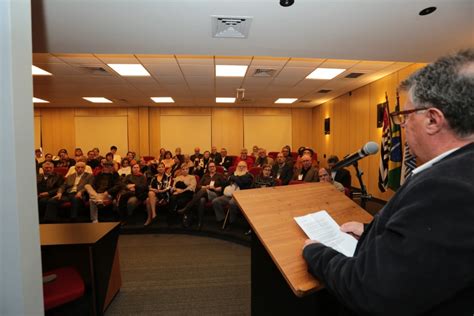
[
  {"x": 354, "y": 123},
  {"x": 143, "y": 126}
]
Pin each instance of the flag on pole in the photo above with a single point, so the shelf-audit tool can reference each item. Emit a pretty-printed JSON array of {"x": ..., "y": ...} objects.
[
  {"x": 384, "y": 148},
  {"x": 395, "y": 162},
  {"x": 409, "y": 163}
]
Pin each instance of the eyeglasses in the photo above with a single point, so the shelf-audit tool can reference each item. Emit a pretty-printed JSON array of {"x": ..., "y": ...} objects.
[{"x": 400, "y": 117}]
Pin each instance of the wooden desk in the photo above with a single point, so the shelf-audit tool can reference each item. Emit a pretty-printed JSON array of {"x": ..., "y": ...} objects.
[
  {"x": 277, "y": 261},
  {"x": 92, "y": 249}
]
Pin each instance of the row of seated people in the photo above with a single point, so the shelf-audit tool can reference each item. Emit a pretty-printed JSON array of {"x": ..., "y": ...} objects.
[{"x": 156, "y": 185}]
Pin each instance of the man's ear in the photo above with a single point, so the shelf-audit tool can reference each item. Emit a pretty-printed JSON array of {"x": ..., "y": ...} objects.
[{"x": 435, "y": 121}]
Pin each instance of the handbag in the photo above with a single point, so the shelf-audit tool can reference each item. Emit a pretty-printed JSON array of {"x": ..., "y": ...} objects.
[{"x": 230, "y": 189}]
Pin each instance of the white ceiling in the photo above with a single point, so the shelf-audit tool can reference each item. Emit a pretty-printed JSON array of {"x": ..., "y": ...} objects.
[{"x": 375, "y": 37}]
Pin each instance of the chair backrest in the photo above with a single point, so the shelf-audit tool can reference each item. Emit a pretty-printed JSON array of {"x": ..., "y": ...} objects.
[
  {"x": 233, "y": 159},
  {"x": 294, "y": 155},
  {"x": 255, "y": 171},
  {"x": 231, "y": 170},
  {"x": 278, "y": 182},
  {"x": 220, "y": 169},
  {"x": 273, "y": 154},
  {"x": 296, "y": 182},
  {"x": 61, "y": 170},
  {"x": 148, "y": 158},
  {"x": 347, "y": 192}
]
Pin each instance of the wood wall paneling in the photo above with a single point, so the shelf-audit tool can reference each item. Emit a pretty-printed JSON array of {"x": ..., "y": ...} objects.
[
  {"x": 228, "y": 129},
  {"x": 143, "y": 131},
  {"x": 133, "y": 131},
  {"x": 154, "y": 127},
  {"x": 302, "y": 126},
  {"x": 57, "y": 130}
]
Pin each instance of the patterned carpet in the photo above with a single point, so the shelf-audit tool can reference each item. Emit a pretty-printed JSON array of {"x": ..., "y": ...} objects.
[{"x": 173, "y": 274}]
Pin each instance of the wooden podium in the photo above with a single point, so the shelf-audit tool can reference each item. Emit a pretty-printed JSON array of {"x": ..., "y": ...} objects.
[{"x": 281, "y": 284}]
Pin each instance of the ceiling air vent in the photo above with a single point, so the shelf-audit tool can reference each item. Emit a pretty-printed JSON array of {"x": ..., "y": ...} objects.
[
  {"x": 264, "y": 72},
  {"x": 93, "y": 70},
  {"x": 324, "y": 91},
  {"x": 354, "y": 75},
  {"x": 304, "y": 101},
  {"x": 231, "y": 26}
]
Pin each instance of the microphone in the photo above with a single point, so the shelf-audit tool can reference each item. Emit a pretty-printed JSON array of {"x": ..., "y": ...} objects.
[{"x": 369, "y": 149}]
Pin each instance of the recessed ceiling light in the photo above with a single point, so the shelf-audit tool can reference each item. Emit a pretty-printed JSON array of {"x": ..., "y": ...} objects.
[
  {"x": 36, "y": 71},
  {"x": 325, "y": 73},
  {"x": 230, "y": 71},
  {"x": 162, "y": 99},
  {"x": 36, "y": 100},
  {"x": 97, "y": 99},
  {"x": 286, "y": 100},
  {"x": 225, "y": 100},
  {"x": 129, "y": 70}
]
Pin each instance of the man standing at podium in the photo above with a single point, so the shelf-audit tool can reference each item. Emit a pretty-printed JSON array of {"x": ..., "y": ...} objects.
[{"x": 417, "y": 255}]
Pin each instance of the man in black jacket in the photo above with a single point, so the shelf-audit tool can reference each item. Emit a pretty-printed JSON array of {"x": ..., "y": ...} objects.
[
  {"x": 417, "y": 255},
  {"x": 282, "y": 170},
  {"x": 47, "y": 185}
]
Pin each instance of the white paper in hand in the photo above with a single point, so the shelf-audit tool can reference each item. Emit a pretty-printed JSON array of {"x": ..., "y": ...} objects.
[{"x": 321, "y": 226}]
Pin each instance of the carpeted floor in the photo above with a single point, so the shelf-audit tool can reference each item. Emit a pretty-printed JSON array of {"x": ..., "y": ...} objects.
[{"x": 174, "y": 274}]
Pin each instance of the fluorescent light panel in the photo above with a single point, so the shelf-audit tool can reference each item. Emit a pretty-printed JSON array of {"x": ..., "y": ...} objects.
[
  {"x": 225, "y": 100},
  {"x": 36, "y": 100},
  {"x": 97, "y": 99},
  {"x": 130, "y": 70},
  {"x": 325, "y": 73},
  {"x": 36, "y": 71},
  {"x": 230, "y": 71},
  {"x": 162, "y": 99},
  {"x": 286, "y": 100}
]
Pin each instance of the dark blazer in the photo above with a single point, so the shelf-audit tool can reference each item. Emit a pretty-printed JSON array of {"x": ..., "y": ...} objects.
[
  {"x": 50, "y": 185},
  {"x": 226, "y": 163},
  {"x": 310, "y": 176},
  {"x": 286, "y": 173},
  {"x": 86, "y": 178},
  {"x": 417, "y": 255},
  {"x": 343, "y": 176}
]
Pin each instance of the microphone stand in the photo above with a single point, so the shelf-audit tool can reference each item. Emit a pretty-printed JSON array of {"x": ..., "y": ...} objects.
[{"x": 364, "y": 196}]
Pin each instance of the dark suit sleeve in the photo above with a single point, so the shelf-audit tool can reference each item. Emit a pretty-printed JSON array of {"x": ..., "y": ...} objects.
[
  {"x": 58, "y": 181},
  {"x": 287, "y": 175},
  {"x": 418, "y": 261}
]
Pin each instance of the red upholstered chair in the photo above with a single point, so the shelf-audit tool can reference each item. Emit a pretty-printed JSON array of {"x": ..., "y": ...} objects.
[
  {"x": 296, "y": 182},
  {"x": 273, "y": 154},
  {"x": 294, "y": 156},
  {"x": 231, "y": 170},
  {"x": 148, "y": 158},
  {"x": 278, "y": 182},
  {"x": 255, "y": 171},
  {"x": 347, "y": 192},
  {"x": 233, "y": 159},
  {"x": 220, "y": 169},
  {"x": 61, "y": 170},
  {"x": 67, "y": 287}
]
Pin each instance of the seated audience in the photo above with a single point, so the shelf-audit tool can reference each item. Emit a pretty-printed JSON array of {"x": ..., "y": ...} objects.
[
  {"x": 178, "y": 153},
  {"x": 97, "y": 153},
  {"x": 176, "y": 168},
  {"x": 125, "y": 168},
  {"x": 286, "y": 150},
  {"x": 158, "y": 192},
  {"x": 201, "y": 168},
  {"x": 188, "y": 163},
  {"x": 92, "y": 161},
  {"x": 244, "y": 157},
  {"x": 47, "y": 185},
  {"x": 72, "y": 190},
  {"x": 72, "y": 169},
  {"x": 103, "y": 189},
  {"x": 65, "y": 161},
  {"x": 264, "y": 179},
  {"x": 182, "y": 192},
  {"x": 254, "y": 153},
  {"x": 168, "y": 161},
  {"x": 197, "y": 155},
  {"x": 131, "y": 158},
  {"x": 341, "y": 175},
  {"x": 117, "y": 158},
  {"x": 162, "y": 154},
  {"x": 325, "y": 177},
  {"x": 282, "y": 170},
  {"x": 135, "y": 191},
  {"x": 240, "y": 180},
  {"x": 110, "y": 157},
  {"x": 215, "y": 156},
  {"x": 47, "y": 158},
  {"x": 211, "y": 186},
  {"x": 225, "y": 161},
  {"x": 262, "y": 158},
  {"x": 305, "y": 151},
  {"x": 307, "y": 172},
  {"x": 78, "y": 153}
]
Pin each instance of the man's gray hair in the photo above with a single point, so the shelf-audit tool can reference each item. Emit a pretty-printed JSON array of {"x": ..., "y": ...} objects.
[{"x": 448, "y": 85}]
